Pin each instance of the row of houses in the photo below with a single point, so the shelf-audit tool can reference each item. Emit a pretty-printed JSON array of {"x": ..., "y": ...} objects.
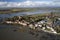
[{"x": 43, "y": 24}]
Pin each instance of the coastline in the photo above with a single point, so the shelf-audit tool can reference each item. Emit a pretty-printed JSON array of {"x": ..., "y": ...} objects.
[
  {"x": 25, "y": 25},
  {"x": 39, "y": 21}
]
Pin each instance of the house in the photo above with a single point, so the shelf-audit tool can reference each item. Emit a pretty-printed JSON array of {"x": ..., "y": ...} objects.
[
  {"x": 31, "y": 26},
  {"x": 58, "y": 18},
  {"x": 9, "y": 22},
  {"x": 42, "y": 22},
  {"x": 40, "y": 25}
]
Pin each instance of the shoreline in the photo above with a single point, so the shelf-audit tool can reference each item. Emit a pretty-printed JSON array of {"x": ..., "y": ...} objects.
[
  {"x": 39, "y": 21},
  {"x": 25, "y": 25},
  {"x": 34, "y": 29}
]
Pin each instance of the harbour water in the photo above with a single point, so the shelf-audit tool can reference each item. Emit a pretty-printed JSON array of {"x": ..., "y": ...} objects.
[{"x": 8, "y": 32}]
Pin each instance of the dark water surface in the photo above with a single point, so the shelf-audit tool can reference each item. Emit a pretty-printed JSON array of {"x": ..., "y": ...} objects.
[{"x": 8, "y": 32}]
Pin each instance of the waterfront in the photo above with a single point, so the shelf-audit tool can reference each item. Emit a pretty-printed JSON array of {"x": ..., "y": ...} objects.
[
  {"x": 15, "y": 32},
  {"x": 29, "y": 20}
]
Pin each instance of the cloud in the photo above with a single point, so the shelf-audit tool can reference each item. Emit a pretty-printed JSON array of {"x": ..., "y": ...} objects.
[{"x": 29, "y": 4}]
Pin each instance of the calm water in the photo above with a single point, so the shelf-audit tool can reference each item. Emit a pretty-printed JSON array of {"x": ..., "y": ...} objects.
[
  {"x": 8, "y": 32},
  {"x": 26, "y": 13}
]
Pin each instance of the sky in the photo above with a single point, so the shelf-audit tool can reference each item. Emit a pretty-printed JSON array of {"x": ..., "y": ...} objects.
[
  {"x": 29, "y": 3},
  {"x": 26, "y": 0}
]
